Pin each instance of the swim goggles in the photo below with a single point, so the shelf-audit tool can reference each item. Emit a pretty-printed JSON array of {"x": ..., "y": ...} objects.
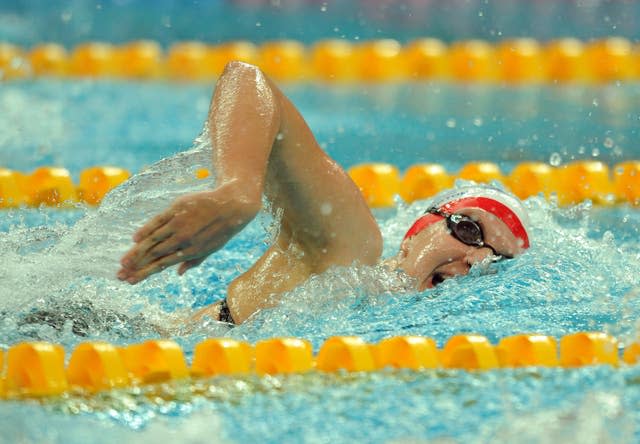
[
  {"x": 464, "y": 229},
  {"x": 466, "y": 232}
]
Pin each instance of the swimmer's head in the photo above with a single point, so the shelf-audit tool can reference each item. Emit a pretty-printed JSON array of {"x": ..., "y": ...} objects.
[{"x": 460, "y": 228}]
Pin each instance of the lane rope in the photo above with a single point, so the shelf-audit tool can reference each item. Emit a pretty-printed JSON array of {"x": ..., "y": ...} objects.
[
  {"x": 512, "y": 61},
  {"x": 380, "y": 183},
  {"x": 37, "y": 369}
]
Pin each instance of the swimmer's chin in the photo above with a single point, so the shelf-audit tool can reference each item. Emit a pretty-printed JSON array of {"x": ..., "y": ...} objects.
[
  {"x": 431, "y": 281},
  {"x": 426, "y": 284}
]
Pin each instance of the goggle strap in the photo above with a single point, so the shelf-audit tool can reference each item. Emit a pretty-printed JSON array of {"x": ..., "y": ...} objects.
[{"x": 422, "y": 223}]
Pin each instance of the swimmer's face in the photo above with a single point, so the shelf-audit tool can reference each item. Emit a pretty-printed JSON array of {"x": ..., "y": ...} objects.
[{"x": 434, "y": 254}]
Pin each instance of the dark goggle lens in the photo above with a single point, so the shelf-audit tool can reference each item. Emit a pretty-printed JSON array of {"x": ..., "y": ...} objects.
[{"x": 465, "y": 230}]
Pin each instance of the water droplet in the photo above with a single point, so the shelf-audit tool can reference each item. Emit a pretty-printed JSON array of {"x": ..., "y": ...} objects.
[
  {"x": 595, "y": 152},
  {"x": 280, "y": 136},
  {"x": 555, "y": 159},
  {"x": 477, "y": 121},
  {"x": 608, "y": 142},
  {"x": 610, "y": 198},
  {"x": 451, "y": 123},
  {"x": 326, "y": 209}
]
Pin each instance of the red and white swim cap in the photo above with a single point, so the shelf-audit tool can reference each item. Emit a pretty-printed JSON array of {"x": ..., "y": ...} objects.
[{"x": 501, "y": 204}]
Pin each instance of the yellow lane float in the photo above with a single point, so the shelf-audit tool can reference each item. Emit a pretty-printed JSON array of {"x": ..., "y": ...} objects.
[
  {"x": 515, "y": 61},
  {"x": 37, "y": 369},
  {"x": 379, "y": 183}
]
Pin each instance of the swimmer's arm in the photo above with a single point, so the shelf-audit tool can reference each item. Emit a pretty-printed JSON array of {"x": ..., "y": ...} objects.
[
  {"x": 243, "y": 121},
  {"x": 325, "y": 220}
]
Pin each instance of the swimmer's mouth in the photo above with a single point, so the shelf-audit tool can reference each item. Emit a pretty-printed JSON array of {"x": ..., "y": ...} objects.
[
  {"x": 434, "y": 280},
  {"x": 438, "y": 278}
]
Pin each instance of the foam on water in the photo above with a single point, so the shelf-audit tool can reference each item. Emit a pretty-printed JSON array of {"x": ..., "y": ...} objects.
[
  {"x": 28, "y": 424},
  {"x": 68, "y": 270},
  {"x": 571, "y": 279},
  {"x": 574, "y": 277},
  {"x": 579, "y": 274},
  {"x": 535, "y": 405}
]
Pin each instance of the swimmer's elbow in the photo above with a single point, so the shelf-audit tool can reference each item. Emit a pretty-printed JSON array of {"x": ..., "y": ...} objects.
[
  {"x": 249, "y": 79},
  {"x": 238, "y": 68}
]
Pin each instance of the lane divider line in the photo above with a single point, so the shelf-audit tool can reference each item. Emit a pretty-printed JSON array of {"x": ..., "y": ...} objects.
[
  {"x": 379, "y": 183},
  {"x": 511, "y": 61},
  {"x": 37, "y": 369}
]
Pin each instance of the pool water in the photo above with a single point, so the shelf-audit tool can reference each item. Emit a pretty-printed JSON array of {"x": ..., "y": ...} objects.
[
  {"x": 28, "y": 22},
  {"x": 580, "y": 274},
  {"x": 65, "y": 123}
]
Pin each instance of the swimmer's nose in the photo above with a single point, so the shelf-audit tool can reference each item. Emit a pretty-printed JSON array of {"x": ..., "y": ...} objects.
[
  {"x": 475, "y": 255},
  {"x": 457, "y": 268}
]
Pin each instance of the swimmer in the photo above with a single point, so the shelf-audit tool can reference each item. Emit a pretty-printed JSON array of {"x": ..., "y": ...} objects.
[{"x": 262, "y": 146}]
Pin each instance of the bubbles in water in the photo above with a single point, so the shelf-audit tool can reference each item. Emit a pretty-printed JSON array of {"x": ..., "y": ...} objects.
[
  {"x": 572, "y": 278},
  {"x": 599, "y": 417},
  {"x": 55, "y": 274},
  {"x": 555, "y": 159},
  {"x": 608, "y": 142}
]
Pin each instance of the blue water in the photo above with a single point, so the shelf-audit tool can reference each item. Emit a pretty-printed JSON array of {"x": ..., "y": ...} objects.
[
  {"x": 70, "y": 22},
  {"x": 580, "y": 274},
  {"x": 65, "y": 123}
]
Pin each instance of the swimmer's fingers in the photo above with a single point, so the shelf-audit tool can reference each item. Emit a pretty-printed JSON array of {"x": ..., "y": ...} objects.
[
  {"x": 160, "y": 243},
  {"x": 135, "y": 258},
  {"x": 184, "y": 245},
  {"x": 190, "y": 264},
  {"x": 151, "y": 226},
  {"x": 135, "y": 276}
]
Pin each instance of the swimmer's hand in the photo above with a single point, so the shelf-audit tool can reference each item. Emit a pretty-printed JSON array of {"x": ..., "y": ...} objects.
[{"x": 192, "y": 228}]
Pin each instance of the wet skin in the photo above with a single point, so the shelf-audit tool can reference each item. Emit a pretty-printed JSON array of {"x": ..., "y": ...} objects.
[
  {"x": 263, "y": 147},
  {"x": 433, "y": 254}
]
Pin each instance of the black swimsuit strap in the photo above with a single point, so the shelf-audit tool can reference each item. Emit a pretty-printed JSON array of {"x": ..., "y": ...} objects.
[{"x": 225, "y": 314}]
